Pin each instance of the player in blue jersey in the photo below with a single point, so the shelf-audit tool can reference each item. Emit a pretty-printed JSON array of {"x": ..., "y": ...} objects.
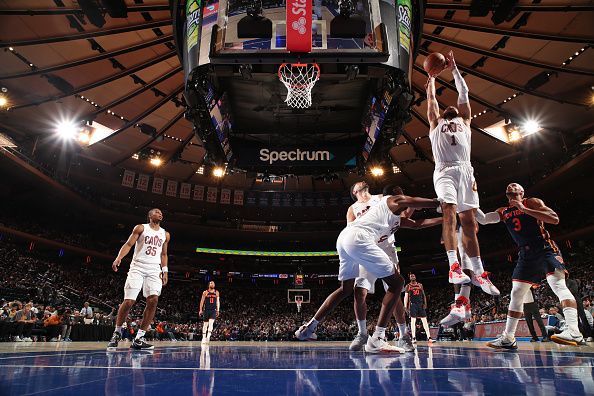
[
  {"x": 210, "y": 304},
  {"x": 538, "y": 257}
]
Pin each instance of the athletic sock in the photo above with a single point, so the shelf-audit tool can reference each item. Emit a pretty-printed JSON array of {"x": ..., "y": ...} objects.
[
  {"x": 118, "y": 329},
  {"x": 313, "y": 324},
  {"x": 510, "y": 327},
  {"x": 465, "y": 292},
  {"x": 571, "y": 318},
  {"x": 362, "y": 324},
  {"x": 140, "y": 333},
  {"x": 477, "y": 265},
  {"x": 402, "y": 329},
  {"x": 380, "y": 332},
  {"x": 456, "y": 295},
  {"x": 452, "y": 257}
]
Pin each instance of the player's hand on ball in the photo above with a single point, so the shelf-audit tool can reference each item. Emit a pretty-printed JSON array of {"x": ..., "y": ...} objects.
[
  {"x": 517, "y": 204},
  {"x": 450, "y": 62},
  {"x": 116, "y": 264},
  {"x": 164, "y": 278}
]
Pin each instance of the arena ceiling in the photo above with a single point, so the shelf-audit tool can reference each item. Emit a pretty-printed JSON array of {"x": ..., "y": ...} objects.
[{"x": 56, "y": 65}]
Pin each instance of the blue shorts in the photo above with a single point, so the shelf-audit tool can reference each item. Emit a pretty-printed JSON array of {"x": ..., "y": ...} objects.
[
  {"x": 535, "y": 262},
  {"x": 209, "y": 314}
]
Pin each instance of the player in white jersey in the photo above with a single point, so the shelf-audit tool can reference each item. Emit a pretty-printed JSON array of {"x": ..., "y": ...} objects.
[
  {"x": 453, "y": 177},
  {"x": 357, "y": 245},
  {"x": 365, "y": 283},
  {"x": 148, "y": 272}
]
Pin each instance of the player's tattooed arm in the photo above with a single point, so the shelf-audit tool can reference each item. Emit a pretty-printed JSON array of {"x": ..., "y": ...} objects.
[
  {"x": 432, "y": 104},
  {"x": 536, "y": 208}
]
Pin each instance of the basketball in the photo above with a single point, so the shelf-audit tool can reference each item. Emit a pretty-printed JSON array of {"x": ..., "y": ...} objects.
[{"x": 434, "y": 63}]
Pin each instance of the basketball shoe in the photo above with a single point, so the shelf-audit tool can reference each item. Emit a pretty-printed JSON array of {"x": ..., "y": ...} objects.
[
  {"x": 380, "y": 345},
  {"x": 457, "y": 314},
  {"x": 566, "y": 338},
  {"x": 359, "y": 342},
  {"x": 503, "y": 342},
  {"x": 305, "y": 333},
  {"x": 141, "y": 344},
  {"x": 115, "y": 338},
  {"x": 405, "y": 342},
  {"x": 485, "y": 284},
  {"x": 457, "y": 276}
]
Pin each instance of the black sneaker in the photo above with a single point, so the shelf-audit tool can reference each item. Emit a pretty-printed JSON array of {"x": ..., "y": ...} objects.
[
  {"x": 534, "y": 339},
  {"x": 545, "y": 339},
  {"x": 115, "y": 338},
  {"x": 141, "y": 344}
]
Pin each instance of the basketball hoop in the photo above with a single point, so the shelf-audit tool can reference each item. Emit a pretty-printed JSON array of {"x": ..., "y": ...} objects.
[
  {"x": 299, "y": 78},
  {"x": 298, "y": 301}
]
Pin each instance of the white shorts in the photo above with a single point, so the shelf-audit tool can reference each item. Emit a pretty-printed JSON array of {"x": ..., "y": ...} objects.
[
  {"x": 142, "y": 278},
  {"x": 356, "y": 246},
  {"x": 366, "y": 280},
  {"x": 456, "y": 185}
]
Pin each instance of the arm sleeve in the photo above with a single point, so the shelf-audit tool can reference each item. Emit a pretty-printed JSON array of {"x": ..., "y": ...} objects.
[
  {"x": 460, "y": 86},
  {"x": 488, "y": 218}
]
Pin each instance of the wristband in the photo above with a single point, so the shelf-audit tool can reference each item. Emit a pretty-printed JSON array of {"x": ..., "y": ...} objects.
[{"x": 164, "y": 269}]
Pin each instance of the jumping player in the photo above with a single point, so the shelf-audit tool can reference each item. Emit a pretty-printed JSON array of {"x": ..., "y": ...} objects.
[
  {"x": 209, "y": 310},
  {"x": 538, "y": 256},
  {"x": 453, "y": 177},
  {"x": 357, "y": 244},
  {"x": 415, "y": 301},
  {"x": 148, "y": 271},
  {"x": 365, "y": 283}
]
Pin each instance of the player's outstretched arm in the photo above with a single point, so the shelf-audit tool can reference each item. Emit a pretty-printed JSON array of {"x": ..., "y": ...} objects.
[
  {"x": 418, "y": 224},
  {"x": 463, "y": 101},
  {"x": 487, "y": 218},
  {"x": 432, "y": 104},
  {"x": 125, "y": 249},
  {"x": 165, "y": 260},
  {"x": 399, "y": 203},
  {"x": 536, "y": 208}
]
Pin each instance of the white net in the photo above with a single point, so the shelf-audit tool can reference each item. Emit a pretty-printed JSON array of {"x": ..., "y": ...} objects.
[
  {"x": 298, "y": 301},
  {"x": 299, "y": 78}
]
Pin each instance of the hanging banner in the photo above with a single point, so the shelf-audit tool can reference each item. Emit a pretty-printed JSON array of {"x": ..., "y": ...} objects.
[
  {"x": 184, "y": 191},
  {"x": 211, "y": 194},
  {"x": 171, "y": 188},
  {"x": 238, "y": 197},
  {"x": 198, "y": 193},
  {"x": 158, "y": 185},
  {"x": 142, "y": 183},
  {"x": 299, "y": 21},
  {"x": 404, "y": 24},
  {"x": 225, "y": 196},
  {"x": 128, "y": 179}
]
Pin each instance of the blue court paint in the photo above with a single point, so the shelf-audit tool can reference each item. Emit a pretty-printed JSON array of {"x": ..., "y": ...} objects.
[{"x": 298, "y": 370}]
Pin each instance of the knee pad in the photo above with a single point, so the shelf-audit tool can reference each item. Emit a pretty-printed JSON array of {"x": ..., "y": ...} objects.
[
  {"x": 557, "y": 283},
  {"x": 518, "y": 293}
]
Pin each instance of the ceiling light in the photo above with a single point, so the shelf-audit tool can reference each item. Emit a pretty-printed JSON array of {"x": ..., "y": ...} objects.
[
  {"x": 135, "y": 156},
  {"x": 10, "y": 49},
  {"x": 200, "y": 170},
  {"x": 531, "y": 126},
  {"x": 514, "y": 136},
  {"x": 396, "y": 169},
  {"x": 3, "y": 101},
  {"x": 376, "y": 171},
  {"x": 84, "y": 137},
  {"x": 218, "y": 172},
  {"x": 156, "y": 161},
  {"x": 66, "y": 130}
]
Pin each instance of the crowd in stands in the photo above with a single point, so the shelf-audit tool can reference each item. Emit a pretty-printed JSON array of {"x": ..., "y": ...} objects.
[{"x": 42, "y": 298}]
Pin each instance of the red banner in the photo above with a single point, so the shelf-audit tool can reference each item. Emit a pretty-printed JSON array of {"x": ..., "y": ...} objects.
[{"x": 299, "y": 25}]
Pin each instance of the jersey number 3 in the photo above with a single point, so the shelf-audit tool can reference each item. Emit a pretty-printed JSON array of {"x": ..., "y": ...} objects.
[{"x": 517, "y": 224}]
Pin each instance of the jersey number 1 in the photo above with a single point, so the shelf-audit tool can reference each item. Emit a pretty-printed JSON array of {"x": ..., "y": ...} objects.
[{"x": 454, "y": 140}]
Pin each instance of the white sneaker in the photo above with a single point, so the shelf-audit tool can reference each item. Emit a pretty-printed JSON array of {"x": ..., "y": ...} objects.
[
  {"x": 457, "y": 276},
  {"x": 359, "y": 342},
  {"x": 18, "y": 339},
  {"x": 457, "y": 314},
  {"x": 27, "y": 339},
  {"x": 503, "y": 342},
  {"x": 304, "y": 333},
  {"x": 405, "y": 342},
  {"x": 485, "y": 284},
  {"x": 590, "y": 339},
  {"x": 380, "y": 345},
  {"x": 566, "y": 338}
]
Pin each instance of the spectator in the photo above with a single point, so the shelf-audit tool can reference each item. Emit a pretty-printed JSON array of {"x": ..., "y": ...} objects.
[
  {"x": 53, "y": 325},
  {"x": 555, "y": 321},
  {"x": 87, "y": 313},
  {"x": 66, "y": 326},
  {"x": 588, "y": 305},
  {"x": 531, "y": 313},
  {"x": 25, "y": 320}
]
